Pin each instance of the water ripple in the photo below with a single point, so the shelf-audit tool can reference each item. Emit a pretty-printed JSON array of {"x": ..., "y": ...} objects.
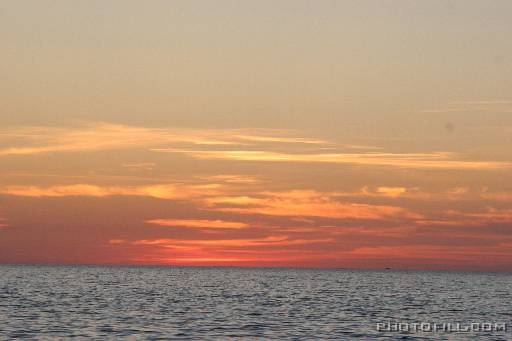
[{"x": 185, "y": 303}]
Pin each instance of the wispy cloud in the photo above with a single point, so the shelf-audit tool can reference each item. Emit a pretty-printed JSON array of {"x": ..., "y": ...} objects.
[
  {"x": 391, "y": 191},
  {"x": 487, "y": 217},
  {"x": 484, "y": 102},
  {"x": 434, "y": 160},
  {"x": 278, "y": 240},
  {"x": 476, "y": 106},
  {"x": 167, "y": 191},
  {"x": 105, "y": 136},
  {"x": 198, "y": 223},
  {"x": 215, "y": 189},
  {"x": 264, "y": 145},
  {"x": 455, "y": 193},
  {"x": 257, "y": 138},
  {"x": 231, "y": 178},
  {"x": 139, "y": 166},
  {"x": 490, "y": 215},
  {"x": 307, "y": 204},
  {"x": 266, "y": 248}
]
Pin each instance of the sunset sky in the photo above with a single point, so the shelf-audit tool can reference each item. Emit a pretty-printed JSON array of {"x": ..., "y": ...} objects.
[{"x": 361, "y": 134}]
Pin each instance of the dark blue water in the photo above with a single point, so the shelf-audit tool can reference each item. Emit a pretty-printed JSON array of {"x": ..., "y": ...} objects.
[{"x": 160, "y": 303}]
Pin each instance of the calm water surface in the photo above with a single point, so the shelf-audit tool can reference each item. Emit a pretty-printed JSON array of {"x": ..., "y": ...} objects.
[{"x": 187, "y": 303}]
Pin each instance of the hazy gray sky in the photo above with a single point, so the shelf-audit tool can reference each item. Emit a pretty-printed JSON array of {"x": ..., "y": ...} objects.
[{"x": 306, "y": 64}]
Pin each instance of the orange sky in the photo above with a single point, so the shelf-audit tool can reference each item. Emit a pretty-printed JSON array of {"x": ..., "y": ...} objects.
[{"x": 311, "y": 134}]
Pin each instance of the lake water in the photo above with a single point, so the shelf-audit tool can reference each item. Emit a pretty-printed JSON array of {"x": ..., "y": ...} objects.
[{"x": 213, "y": 303}]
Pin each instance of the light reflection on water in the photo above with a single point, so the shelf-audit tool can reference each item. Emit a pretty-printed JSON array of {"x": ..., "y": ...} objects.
[{"x": 191, "y": 303}]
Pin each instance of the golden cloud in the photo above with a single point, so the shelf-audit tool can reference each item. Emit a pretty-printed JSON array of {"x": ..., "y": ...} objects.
[
  {"x": 167, "y": 191},
  {"x": 105, "y": 136},
  {"x": 466, "y": 219},
  {"x": 231, "y": 178},
  {"x": 434, "y": 160},
  {"x": 307, "y": 203},
  {"x": 198, "y": 223},
  {"x": 391, "y": 191},
  {"x": 280, "y": 240}
]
